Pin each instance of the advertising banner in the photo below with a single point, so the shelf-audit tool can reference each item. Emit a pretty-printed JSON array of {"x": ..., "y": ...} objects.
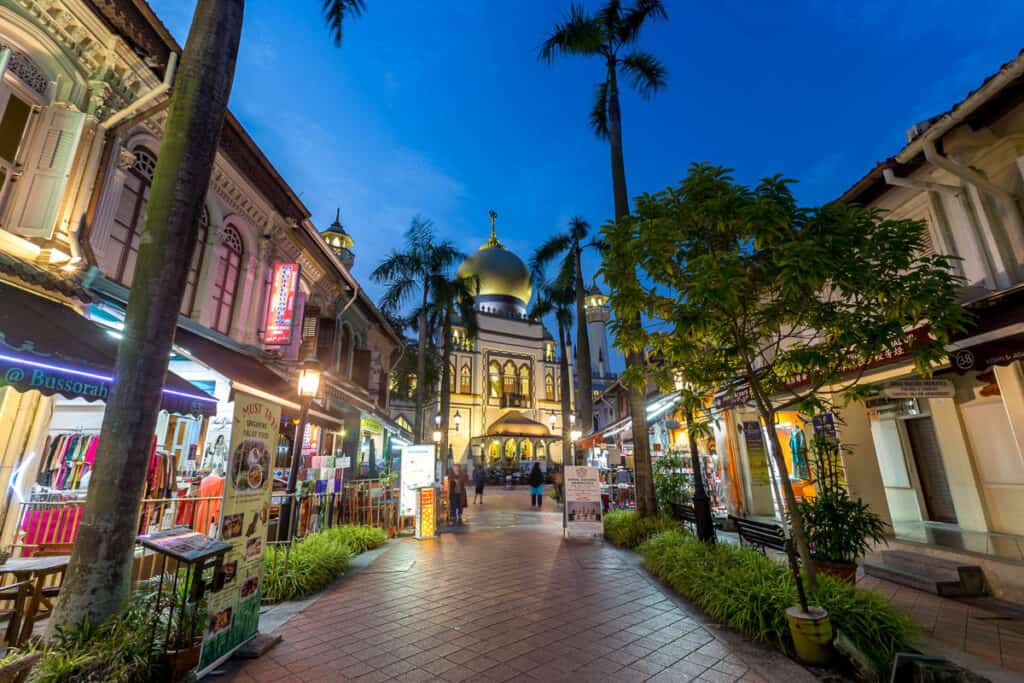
[
  {"x": 234, "y": 610},
  {"x": 281, "y": 306},
  {"x": 582, "y": 515},
  {"x": 417, "y": 471}
]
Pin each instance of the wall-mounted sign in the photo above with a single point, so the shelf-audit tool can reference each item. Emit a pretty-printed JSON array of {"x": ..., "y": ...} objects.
[
  {"x": 919, "y": 388},
  {"x": 281, "y": 306},
  {"x": 370, "y": 426}
]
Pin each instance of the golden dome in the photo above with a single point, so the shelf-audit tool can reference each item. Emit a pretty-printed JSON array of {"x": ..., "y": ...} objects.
[
  {"x": 503, "y": 278},
  {"x": 514, "y": 423}
]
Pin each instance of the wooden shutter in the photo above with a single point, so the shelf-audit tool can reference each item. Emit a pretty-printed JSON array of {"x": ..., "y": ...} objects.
[
  {"x": 361, "y": 368},
  {"x": 325, "y": 343},
  {"x": 48, "y": 166}
]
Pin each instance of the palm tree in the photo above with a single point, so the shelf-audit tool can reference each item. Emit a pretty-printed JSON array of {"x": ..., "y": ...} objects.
[
  {"x": 335, "y": 13},
  {"x": 415, "y": 271},
  {"x": 611, "y": 35},
  {"x": 570, "y": 245},
  {"x": 452, "y": 302},
  {"x": 557, "y": 298}
]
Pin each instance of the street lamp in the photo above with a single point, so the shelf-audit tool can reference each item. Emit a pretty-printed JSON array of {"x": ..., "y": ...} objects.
[
  {"x": 437, "y": 420},
  {"x": 552, "y": 420},
  {"x": 457, "y": 420},
  {"x": 307, "y": 387}
]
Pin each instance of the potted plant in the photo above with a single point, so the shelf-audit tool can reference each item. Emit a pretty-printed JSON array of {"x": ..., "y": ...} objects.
[{"x": 839, "y": 530}]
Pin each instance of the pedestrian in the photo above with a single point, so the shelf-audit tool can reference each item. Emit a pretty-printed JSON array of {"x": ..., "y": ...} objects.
[
  {"x": 479, "y": 480},
  {"x": 536, "y": 481},
  {"x": 457, "y": 480}
]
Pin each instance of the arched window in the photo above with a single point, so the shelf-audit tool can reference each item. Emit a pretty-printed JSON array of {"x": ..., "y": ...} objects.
[
  {"x": 395, "y": 383},
  {"x": 549, "y": 387},
  {"x": 525, "y": 450},
  {"x": 494, "y": 379},
  {"x": 465, "y": 380},
  {"x": 225, "y": 285},
  {"x": 508, "y": 378},
  {"x": 510, "y": 449},
  {"x": 494, "y": 452},
  {"x": 524, "y": 380},
  {"x": 131, "y": 213},
  {"x": 451, "y": 378},
  {"x": 195, "y": 269}
]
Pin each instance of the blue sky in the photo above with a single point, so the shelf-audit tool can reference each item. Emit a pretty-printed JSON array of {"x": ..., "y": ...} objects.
[{"x": 442, "y": 108}]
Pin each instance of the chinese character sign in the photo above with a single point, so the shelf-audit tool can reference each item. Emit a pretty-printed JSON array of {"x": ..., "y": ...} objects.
[{"x": 281, "y": 307}]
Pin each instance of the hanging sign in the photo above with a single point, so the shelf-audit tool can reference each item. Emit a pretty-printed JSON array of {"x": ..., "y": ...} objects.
[
  {"x": 281, "y": 306},
  {"x": 234, "y": 610},
  {"x": 919, "y": 388},
  {"x": 582, "y": 515}
]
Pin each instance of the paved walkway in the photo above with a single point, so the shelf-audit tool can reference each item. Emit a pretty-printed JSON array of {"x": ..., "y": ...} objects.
[{"x": 505, "y": 598}]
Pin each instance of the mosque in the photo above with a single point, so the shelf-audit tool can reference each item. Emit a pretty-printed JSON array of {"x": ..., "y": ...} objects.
[{"x": 505, "y": 389}]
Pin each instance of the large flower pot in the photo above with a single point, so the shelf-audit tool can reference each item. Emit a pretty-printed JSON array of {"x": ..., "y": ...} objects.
[
  {"x": 812, "y": 634},
  {"x": 178, "y": 664},
  {"x": 845, "y": 571}
]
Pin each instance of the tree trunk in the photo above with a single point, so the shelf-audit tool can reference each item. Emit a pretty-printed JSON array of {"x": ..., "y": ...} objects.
[
  {"x": 421, "y": 372},
  {"x": 568, "y": 453},
  {"x": 585, "y": 400},
  {"x": 701, "y": 500},
  {"x": 446, "y": 379},
  {"x": 97, "y": 581},
  {"x": 795, "y": 520},
  {"x": 645, "y": 502}
]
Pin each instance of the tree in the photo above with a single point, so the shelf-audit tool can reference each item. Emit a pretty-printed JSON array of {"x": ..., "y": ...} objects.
[
  {"x": 570, "y": 245},
  {"x": 795, "y": 302},
  {"x": 337, "y": 11},
  {"x": 611, "y": 35},
  {"x": 98, "y": 577},
  {"x": 410, "y": 272},
  {"x": 557, "y": 298},
  {"x": 452, "y": 302}
]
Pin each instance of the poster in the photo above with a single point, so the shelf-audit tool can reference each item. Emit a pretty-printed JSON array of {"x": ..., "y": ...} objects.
[
  {"x": 234, "y": 610},
  {"x": 757, "y": 455},
  {"x": 281, "y": 304},
  {"x": 583, "y": 514},
  {"x": 417, "y": 471}
]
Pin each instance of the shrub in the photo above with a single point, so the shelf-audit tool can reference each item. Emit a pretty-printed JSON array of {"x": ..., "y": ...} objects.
[
  {"x": 750, "y": 592},
  {"x": 311, "y": 564},
  {"x": 671, "y": 484},
  {"x": 626, "y": 528}
]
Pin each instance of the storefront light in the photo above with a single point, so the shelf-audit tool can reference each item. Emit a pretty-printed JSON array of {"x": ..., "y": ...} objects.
[{"x": 309, "y": 379}]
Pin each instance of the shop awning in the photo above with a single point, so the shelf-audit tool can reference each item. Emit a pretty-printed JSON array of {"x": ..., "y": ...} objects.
[
  {"x": 1000, "y": 351},
  {"x": 49, "y": 347}
]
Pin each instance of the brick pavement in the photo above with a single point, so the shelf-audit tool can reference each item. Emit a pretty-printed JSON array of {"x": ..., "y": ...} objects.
[{"x": 508, "y": 600}]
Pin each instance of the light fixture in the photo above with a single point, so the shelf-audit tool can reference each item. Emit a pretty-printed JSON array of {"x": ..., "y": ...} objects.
[
  {"x": 437, "y": 420},
  {"x": 309, "y": 379},
  {"x": 552, "y": 420},
  {"x": 437, "y": 436},
  {"x": 457, "y": 420},
  {"x": 343, "y": 432},
  {"x": 575, "y": 435},
  {"x": 572, "y": 418}
]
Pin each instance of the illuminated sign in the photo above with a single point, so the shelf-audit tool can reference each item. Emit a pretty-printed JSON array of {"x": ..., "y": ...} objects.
[
  {"x": 426, "y": 516},
  {"x": 281, "y": 307}
]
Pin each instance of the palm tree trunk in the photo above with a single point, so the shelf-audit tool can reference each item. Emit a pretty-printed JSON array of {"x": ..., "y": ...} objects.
[
  {"x": 568, "y": 454},
  {"x": 585, "y": 400},
  {"x": 645, "y": 501},
  {"x": 446, "y": 379},
  {"x": 421, "y": 371},
  {"x": 97, "y": 581}
]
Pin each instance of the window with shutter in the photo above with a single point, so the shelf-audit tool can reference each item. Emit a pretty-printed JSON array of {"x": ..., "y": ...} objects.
[
  {"x": 130, "y": 215},
  {"x": 225, "y": 285}
]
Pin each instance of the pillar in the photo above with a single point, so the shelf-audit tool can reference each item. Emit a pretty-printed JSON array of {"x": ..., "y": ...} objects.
[{"x": 956, "y": 458}]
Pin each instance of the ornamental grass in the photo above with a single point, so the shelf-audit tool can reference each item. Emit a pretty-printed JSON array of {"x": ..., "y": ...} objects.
[{"x": 627, "y": 529}]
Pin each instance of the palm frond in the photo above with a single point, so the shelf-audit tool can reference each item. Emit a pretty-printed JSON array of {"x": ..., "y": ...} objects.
[
  {"x": 335, "y": 13},
  {"x": 610, "y": 15},
  {"x": 646, "y": 72},
  {"x": 396, "y": 266},
  {"x": 398, "y": 292},
  {"x": 546, "y": 253},
  {"x": 578, "y": 34},
  {"x": 635, "y": 17},
  {"x": 565, "y": 281},
  {"x": 420, "y": 233},
  {"x": 578, "y": 229},
  {"x": 599, "y": 112}
]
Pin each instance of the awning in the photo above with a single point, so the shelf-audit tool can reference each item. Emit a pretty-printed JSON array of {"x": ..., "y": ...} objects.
[
  {"x": 49, "y": 347},
  {"x": 1001, "y": 351},
  {"x": 994, "y": 337}
]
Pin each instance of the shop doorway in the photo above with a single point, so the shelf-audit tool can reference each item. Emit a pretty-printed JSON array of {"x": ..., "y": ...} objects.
[{"x": 924, "y": 445}]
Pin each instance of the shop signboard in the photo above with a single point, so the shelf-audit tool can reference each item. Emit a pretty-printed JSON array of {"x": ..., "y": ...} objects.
[
  {"x": 281, "y": 306},
  {"x": 757, "y": 455},
  {"x": 417, "y": 471},
  {"x": 919, "y": 388},
  {"x": 824, "y": 426},
  {"x": 426, "y": 512},
  {"x": 234, "y": 610},
  {"x": 582, "y": 515}
]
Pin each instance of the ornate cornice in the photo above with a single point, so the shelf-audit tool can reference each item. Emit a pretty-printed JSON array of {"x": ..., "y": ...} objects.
[{"x": 235, "y": 197}]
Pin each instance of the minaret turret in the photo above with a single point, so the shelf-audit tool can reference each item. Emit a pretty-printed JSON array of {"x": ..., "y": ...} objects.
[
  {"x": 598, "y": 314},
  {"x": 339, "y": 241}
]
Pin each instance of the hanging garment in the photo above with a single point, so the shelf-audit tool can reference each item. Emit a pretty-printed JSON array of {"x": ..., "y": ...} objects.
[
  {"x": 208, "y": 512},
  {"x": 798, "y": 447}
]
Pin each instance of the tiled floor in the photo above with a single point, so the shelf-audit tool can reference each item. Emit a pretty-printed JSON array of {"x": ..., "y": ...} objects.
[
  {"x": 978, "y": 628},
  {"x": 507, "y": 600}
]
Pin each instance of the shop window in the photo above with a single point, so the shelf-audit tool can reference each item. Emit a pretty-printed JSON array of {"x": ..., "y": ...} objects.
[
  {"x": 524, "y": 380},
  {"x": 195, "y": 269},
  {"x": 508, "y": 378},
  {"x": 549, "y": 387},
  {"x": 494, "y": 379},
  {"x": 465, "y": 380},
  {"x": 225, "y": 285},
  {"x": 130, "y": 214}
]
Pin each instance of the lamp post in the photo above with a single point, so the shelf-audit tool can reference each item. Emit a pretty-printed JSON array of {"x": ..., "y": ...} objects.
[
  {"x": 701, "y": 500},
  {"x": 457, "y": 420},
  {"x": 308, "y": 386}
]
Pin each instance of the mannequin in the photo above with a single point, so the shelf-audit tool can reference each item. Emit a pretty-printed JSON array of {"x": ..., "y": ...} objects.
[
  {"x": 798, "y": 448},
  {"x": 208, "y": 512}
]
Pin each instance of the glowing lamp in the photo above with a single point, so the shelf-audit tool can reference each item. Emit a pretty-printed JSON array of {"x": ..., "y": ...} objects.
[
  {"x": 457, "y": 420},
  {"x": 309, "y": 379},
  {"x": 437, "y": 436}
]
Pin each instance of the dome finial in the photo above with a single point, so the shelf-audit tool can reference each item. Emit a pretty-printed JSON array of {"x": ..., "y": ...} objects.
[
  {"x": 337, "y": 216},
  {"x": 493, "y": 242}
]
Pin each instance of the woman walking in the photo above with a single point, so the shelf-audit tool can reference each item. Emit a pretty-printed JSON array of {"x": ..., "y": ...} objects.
[
  {"x": 536, "y": 482},
  {"x": 457, "y": 480},
  {"x": 479, "y": 480}
]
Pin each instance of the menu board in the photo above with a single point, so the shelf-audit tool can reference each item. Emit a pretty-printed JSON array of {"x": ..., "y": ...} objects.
[
  {"x": 417, "y": 471},
  {"x": 234, "y": 610},
  {"x": 183, "y": 544},
  {"x": 582, "y": 515}
]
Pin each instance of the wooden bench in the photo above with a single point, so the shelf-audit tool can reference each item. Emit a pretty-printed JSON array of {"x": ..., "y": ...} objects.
[
  {"x": 685, "y": 513},
  {"x": 761, "y": 535}
]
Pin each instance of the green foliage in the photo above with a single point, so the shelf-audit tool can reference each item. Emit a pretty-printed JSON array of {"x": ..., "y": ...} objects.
[
  {"x": 671, "y": 485},
  {"x": 750, "y": 592},
  {"x": 627, "y": 529},
  {"x": 310, "y": 565}
]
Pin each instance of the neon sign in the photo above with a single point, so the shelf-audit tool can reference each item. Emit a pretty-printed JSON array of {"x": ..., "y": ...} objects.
[{"x": 281, "y": 306}]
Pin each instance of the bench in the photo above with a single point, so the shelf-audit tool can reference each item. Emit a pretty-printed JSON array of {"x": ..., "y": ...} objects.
[
  {"x": 761, "y": 535},
  {"x": 685, "y": 513}
]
